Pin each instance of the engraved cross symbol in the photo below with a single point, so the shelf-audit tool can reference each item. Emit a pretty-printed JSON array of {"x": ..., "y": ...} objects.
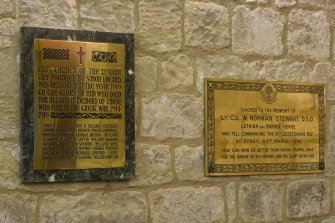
[{"x": 81, "y": 54}]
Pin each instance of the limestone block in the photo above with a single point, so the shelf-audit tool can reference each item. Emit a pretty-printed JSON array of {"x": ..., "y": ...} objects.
[
  {"x": 9, "y": 75},
  {"x": 291, "y": 70},
  {"x": 224, "y": 67},
  {"x": 308, "y": 34},
  {"x": 172, "y": 116},
  {"x": 7, "y": 8},
  {"x": 319, "y": 3},
  {"x": 160, "y": 25},
  {"x": 64, "y": 186},
  {"x": 257, "y": 31},
  {"x": 285, "y": 3},
  {"x": 285, "y": 70},
  {"x": 231, "y": 201},
  {"x": 105, "y": 15},
  {"x": 187, "y": 204},
  {"x": 121, "y": 207},
  {"x": 325, "y": 73},
  {"x": 190, "y": 163},
  {"x": 329, "y": 220},
  {"x": 9, "y": 165},
  {"x": 9, "y": 126},
  {"x": 53, "y": 13},
  {"x": 146, "y": 74},
  {"x": 332, "y": 121},
  {"x": 9, "y": 96},
  {"x": 263, "y": 1},
  {"x": 308, "y": 198},
  {"x": 206, "y": 25},
  {"x": 7, "y": 32},
  {"x": 177, "y": 71},
  {"x": 330, "y": 158},
  {"x": 261, "y": 202},
  {"x": 153, "y": 165},
  {"x": 17, "y": 208},
  {"x": 257, "y": 1}
]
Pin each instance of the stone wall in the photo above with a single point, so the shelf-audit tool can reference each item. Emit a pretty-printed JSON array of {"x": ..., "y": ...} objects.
[{"x": 178, "y": 43}]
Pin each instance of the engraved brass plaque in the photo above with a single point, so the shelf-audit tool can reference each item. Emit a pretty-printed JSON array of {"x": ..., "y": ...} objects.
[
  {"x": 264, "y": 127},
  {"x": 79, "y": 105}
]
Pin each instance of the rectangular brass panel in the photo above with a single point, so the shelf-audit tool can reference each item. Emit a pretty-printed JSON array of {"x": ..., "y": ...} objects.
[
  {"x": 79, "y": 105},
  {"x": 264, "y": 127}
]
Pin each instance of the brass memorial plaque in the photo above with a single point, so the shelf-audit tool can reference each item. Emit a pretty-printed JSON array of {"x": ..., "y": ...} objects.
[
  {"x": 264, "y": 127},
  {"x": 79, "y": 101}
]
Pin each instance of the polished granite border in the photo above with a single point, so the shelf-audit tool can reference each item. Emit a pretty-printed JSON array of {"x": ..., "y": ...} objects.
[{"x": 28, "y": 174}]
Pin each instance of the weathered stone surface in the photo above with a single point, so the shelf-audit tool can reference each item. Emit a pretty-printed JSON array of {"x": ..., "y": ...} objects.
[
  {"x": 206, "y": 25},
  {"x": 224, "y": 67},
  {"x": 172, "y": 116},
  {"x": 330, "y": 157},
  {"x": 105, "y": 15},
  {"x": 9, "y": 110},
  {"x": 261, "y": 202},
  {"x": 290, "y": 70},
  {"x": 17, "y": 208},
  {"x": 189, "y": 163},
  {"x": 314, "y": 2},
  {"x": 9, "y": 165},
  {"x": 121, "y": 207},
  {"x": 263, "y": 1},
  {"x": 7, "y": 32},
  {"x": 9, "y": 76},
  {"x": 306, "y": 221},
  {"x": 53, "y": 13},
  {"x": 325, "y": 73},
  {"x": 332, "y": 121},
  {"x": 308, "y": 198},
  {"x": 177, "y": 71},
  {"x": 308, "y": 34},
  {"x": 146, "y": 74},
  {"x": 257, "y": 32},
  {"x": 285, "y": 3},
  {"x": 285, "y": 70},
  {"x": 63, "y": 187},
  {"x": 329, "y": 220},
  {"x": 153, "y": 165},
  {"x": 187, "y": 204},
  {"x": 231, "y": 201},
  {"x": 9, "y": 96},
  {"x": 7, "y": 8},
  {"x": 160, "y": 25},
  {"x": 257, "y": 1},
  {"x": 321, "y": 73}
]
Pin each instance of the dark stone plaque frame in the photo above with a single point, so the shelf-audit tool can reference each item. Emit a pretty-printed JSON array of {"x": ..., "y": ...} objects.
[{"x": 28, "y": 174}]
